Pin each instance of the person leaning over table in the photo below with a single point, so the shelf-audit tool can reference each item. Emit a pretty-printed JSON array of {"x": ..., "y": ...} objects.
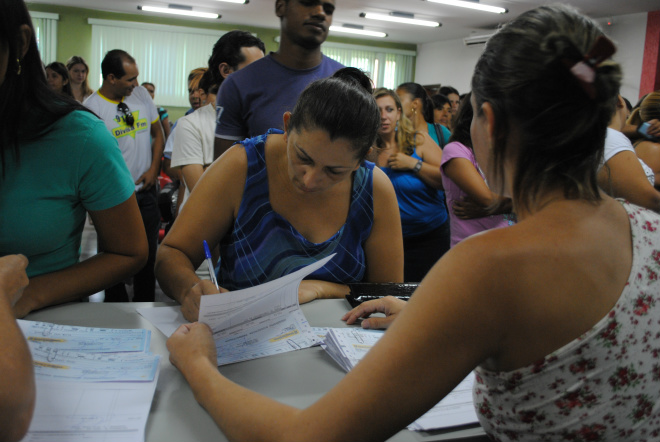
[
  {"x": 57, "y": 162},
  {"x": 557, "y": 313},
  {"x": 280, "y": 201},
  {"x": 17, "y": 389}
]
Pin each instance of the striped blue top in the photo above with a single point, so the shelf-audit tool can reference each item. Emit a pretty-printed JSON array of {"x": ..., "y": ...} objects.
[{"x": 264, "y": 246}]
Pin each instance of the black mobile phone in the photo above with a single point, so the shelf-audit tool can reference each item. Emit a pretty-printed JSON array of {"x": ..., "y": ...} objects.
[{"x": 366, "y": 291}]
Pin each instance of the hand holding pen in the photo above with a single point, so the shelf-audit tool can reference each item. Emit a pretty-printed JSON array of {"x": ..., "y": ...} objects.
[{"x": 209, "y": 262}]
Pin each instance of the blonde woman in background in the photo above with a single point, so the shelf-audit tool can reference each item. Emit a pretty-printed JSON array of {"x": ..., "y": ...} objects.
[
  {"x": 411, "y": 160},
  {"x": 78, "y": 71}
]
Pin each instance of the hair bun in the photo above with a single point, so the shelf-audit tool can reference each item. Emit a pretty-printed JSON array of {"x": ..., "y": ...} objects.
[{"x": 355, "y": 76}]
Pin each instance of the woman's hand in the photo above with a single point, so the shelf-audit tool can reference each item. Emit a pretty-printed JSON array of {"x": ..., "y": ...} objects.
[
  {"x": 389, "y": 305},
  {"x": 191, "y": 299},
  {"x": 469, "y": 209},
  {"x": 190, "y": 344},
  {"x": 401, "y": 161},
  {"x": 310, "y": 289}
]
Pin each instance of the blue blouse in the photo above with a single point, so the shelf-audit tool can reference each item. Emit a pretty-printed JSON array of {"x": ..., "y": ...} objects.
[{"x": 264, "y": 246}]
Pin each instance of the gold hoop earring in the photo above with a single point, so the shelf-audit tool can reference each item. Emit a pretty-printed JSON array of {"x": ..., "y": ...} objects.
[{"x": 18, "y": 63}]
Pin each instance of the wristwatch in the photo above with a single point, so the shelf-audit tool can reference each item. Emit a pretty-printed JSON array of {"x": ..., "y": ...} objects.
[{"x": 418, "y": 167}]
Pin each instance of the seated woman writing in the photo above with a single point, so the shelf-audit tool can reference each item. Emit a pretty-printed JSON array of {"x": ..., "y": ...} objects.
[
  {"x": 557, "y": 313},
  {"x": 281, "y": 201},
  {"x": 58, "y": 162}
]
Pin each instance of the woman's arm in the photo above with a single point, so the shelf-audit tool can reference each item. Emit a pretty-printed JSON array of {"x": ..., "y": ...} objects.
[
  {"x": 440, "y": 336},
  {"x": 123, "y": 241},
  {"x": 17, "y": 389},
  {"x": 431, "y": 155},
  {"x": 622, "y": 176},
  {"x": 649, "y": 152},
  {"x": 462, "y": 172},
  {"x": 207, "y": 215}
]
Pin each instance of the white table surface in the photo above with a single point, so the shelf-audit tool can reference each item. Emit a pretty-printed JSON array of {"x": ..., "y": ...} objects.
[{"x": 296, "y": 378}]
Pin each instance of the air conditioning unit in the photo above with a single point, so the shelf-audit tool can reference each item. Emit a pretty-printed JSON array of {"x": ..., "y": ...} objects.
[{"x": 476, "y": 40}]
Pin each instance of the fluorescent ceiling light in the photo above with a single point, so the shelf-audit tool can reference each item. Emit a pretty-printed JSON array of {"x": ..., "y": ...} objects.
[
  {"x": 399, "y": 19},
  {"x": 357, "y": 30},
  {"x": 234, "y": 1},
  {"x": 471, "y": 5},
  {"x": 176, "y": 11}
]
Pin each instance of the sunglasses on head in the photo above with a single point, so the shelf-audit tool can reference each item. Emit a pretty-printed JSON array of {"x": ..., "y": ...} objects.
[{"x": 128, "y": 116}]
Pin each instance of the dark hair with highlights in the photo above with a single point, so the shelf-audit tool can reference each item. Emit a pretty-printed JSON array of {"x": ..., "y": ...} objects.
[
  {"x": 545, "y": 122},
  {"x": 28, "y": 107},
  {"x": 324, "y": 105},
  {"x": 416, "y": 90}
]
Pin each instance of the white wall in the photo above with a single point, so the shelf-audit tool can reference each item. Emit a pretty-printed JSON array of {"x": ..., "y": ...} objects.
[
  {"x": 449, "y": 63},
  {"x": 629, "y": 34},
  {"x": 452, "y": 63}
]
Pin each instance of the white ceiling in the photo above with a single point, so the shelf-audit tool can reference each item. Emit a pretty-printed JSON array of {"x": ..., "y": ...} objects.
[{"x": 456, "y": 22}]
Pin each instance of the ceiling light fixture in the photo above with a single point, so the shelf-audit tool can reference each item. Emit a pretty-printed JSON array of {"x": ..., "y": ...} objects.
[
  {"x": 400, "y": 17},
  {"x": 234, "y": 1},
  {"x": 179, "y": 10},
  {"x": 471, "y": 5},
  {"x": 356, "y": 29}
]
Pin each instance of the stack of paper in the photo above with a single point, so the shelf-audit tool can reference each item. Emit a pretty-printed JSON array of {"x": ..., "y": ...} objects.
[
  {"x": 347, "y": 346},
  {"x": 92, "y": 383}
]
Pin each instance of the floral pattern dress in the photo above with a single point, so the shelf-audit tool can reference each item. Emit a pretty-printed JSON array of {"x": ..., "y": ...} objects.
[{"x": 604, "y": 385}]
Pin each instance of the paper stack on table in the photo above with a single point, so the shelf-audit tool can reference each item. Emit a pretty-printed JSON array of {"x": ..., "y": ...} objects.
[
  {"x": 347, "y": 346},
  {"x": 92, "y": 383}
]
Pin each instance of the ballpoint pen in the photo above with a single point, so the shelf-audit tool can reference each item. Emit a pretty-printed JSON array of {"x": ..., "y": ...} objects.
[{"x": 209, "y": 261}]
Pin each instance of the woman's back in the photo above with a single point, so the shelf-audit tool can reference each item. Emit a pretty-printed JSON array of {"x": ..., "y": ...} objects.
[{"x": 581, "y": 340}]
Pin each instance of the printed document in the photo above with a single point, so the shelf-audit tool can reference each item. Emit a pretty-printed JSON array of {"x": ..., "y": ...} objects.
[{"x": 259, "y": 321}]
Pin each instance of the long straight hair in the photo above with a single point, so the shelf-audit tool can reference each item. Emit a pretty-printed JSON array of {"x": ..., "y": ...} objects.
[{"x": 28, "y": 107}]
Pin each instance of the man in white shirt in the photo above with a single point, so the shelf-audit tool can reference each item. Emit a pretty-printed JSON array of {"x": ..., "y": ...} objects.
[{"x": 130, "y": 115}]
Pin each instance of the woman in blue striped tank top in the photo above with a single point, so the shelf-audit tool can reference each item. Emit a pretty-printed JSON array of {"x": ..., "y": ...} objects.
[{"x": 283, "y": 200}]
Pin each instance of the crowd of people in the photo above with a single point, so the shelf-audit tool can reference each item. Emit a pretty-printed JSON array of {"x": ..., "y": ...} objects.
[{"x": 530, "y": 273}]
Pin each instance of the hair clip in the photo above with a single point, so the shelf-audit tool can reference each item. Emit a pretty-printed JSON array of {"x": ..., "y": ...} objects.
[{"x": 584, "y": 70}]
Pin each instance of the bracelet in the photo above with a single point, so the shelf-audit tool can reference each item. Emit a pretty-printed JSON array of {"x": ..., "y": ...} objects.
[{"x": 417, "y": 167}]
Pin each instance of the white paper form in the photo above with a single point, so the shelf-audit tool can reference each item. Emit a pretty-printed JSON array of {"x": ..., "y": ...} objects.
[
  {"x": 99, "y": 340},
  {"x": 64, "y": 365},
  {"x": 347, "y": 346},
  {"x": 455, "y": 409},
  {"x": 259, "y": 321},
  {"x": 84, "y": 412}
]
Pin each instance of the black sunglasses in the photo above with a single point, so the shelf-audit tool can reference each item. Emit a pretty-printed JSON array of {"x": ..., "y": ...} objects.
[{"x": 128, "y": 116}]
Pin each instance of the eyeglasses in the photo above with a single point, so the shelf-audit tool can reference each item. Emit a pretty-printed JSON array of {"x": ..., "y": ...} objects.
[{"x": 128, "y": 116}]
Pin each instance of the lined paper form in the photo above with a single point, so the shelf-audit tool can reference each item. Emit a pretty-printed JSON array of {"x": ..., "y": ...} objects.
[{"x": 92, "y": 383}]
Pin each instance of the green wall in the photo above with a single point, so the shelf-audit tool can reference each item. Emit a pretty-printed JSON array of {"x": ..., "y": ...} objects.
[{"x": 74, "y": 34}]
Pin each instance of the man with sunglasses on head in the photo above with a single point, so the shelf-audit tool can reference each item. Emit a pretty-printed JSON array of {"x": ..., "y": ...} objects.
[{"x": 131, "y": 116}]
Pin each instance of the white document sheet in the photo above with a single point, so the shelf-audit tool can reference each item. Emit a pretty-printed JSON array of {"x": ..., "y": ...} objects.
[
  {"x": 84, "y": 412},
  {"x": 453, "y": 410},
  {"x": 259, "y": 321},
  {"x": 64, "y": 365},
  {"x": 88, "y": 339},
  {"x": 165, "y": 319}
]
